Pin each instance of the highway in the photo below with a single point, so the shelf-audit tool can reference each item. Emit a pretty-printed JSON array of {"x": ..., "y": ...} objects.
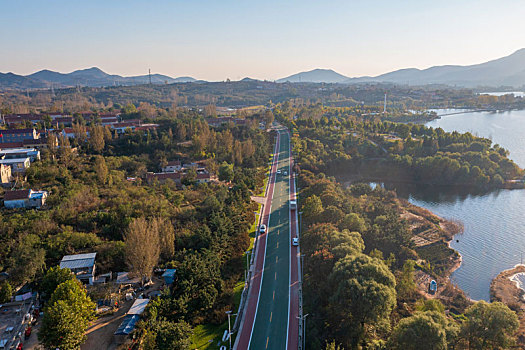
[{"x": 270, "y": 318}]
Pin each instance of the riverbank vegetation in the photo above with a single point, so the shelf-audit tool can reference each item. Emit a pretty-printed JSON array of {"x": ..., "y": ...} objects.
[
  {"x": 369, "y": 256},
  {"x": 338, "y": 142}
]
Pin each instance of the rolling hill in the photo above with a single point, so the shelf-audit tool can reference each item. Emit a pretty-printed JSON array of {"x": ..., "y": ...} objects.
[{"x": 91, "y": 77}]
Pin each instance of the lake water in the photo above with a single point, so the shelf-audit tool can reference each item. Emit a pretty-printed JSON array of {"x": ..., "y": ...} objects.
[{"x": 494, "y": 236}]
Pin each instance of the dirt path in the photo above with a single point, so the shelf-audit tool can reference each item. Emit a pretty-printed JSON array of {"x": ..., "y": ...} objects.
[{"x": 100, "y": 333}]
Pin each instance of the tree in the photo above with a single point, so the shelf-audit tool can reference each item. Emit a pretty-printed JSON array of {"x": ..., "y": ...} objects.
[
  {"x": 166, "y": 236},
  {"x": 66, "y": 317},
  {"x": 406, "y": 285},
  {"x": 312, "y": 207},
  {"x": 6, "y": 292},
  {"x": 226, "y": 172},
  {"x": 363, "y": 295},
  {"x": 430, "y": 328},
  {"x": 53, "y": 278},
  {"x": 96, "y": 138},
  {"x": 142, "y": 247},
  {"x": 101, "y": 169},
  {"x": 172, "y": 335},
  {"x": 268, "y": 118},
  {"x": 489, "y": 326}
]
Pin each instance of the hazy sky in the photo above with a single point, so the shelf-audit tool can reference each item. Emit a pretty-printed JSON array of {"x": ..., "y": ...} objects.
[{"x": 264, "y": 39}]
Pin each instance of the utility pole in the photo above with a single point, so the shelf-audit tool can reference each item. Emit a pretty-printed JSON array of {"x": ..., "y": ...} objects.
[
  {"x": 229, "y": 328},
  {"x": 384, "y": 106},
  {"x": 149, "y": 74}
]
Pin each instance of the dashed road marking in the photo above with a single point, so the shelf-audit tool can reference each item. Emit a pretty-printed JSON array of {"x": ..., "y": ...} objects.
[
  {"x": 271, "y": 314},
  {"x": 267, "y": 338},
  {"x": 275, "y": 274},
  {"x": 273, "y": 295}
]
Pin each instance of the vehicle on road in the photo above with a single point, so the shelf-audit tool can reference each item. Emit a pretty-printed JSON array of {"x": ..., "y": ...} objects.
[
  {"x": 293, "y": 205},
  {"x": 295, "y": 241},
  {"x": 278, "y": 172},
  {"x": 285, "y": 173},
  {"x": 262, "y": 229}
]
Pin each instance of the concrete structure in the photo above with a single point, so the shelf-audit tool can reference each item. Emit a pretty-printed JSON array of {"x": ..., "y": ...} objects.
[
  {"x": 5, "y": 174},
  {"x": 171, "y": 167},
  {"x": 24, "y": 199},
  {"x": 82, "y": 265},
  {"x": 18, "y": 165},
  {"x": 18, "y": 135}
]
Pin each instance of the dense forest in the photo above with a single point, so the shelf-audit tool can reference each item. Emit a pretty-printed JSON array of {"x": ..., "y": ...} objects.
[{"x": 340, "y": 142}]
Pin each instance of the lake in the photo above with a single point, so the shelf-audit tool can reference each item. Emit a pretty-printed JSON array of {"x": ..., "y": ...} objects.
[{"x": 494, "y": 236}]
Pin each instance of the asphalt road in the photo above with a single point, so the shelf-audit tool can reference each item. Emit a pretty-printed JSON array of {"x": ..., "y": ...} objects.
[
  {"x": 270, "y": 320},
  {"x": 270, "y": 330}
]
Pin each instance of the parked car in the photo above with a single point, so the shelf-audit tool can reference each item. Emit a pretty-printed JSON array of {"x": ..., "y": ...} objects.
[
  {"x": 27, "y": 333},
  {"x": 295, "y": 241},
  {"x": 262, "y": 229},
  {"x": 278, "y": 172},
  {"x": 285, "y": 173}
]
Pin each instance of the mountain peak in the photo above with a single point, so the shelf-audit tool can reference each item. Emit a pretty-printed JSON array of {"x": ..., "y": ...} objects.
[{"x": 318, "y": 75}]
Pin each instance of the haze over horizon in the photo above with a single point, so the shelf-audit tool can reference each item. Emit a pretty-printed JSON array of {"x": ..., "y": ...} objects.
[{"x": 218, "y": 40}]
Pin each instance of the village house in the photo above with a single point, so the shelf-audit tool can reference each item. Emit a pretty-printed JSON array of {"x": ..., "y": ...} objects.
[
  {"x": 82, "y": 265},
  {"x": 18, "y": 135},
  {"x": 172, "y": 166},
  {"x": 163, "y": 177},
  {"x": 18, "y": 165},
  {"x": 24, "y": 199},
  {"x": 16, "y": 153}
]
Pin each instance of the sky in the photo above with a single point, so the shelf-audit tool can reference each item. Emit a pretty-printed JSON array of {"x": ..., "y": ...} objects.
[{"x": 265, "y": 39}]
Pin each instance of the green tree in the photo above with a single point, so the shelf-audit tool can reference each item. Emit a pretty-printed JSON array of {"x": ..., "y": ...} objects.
[
  {"x": 53, "y": 278},
  {"x": 66, "y": 317},
  {"x": 312, "y": 207},
  {"x": 430, "y": 328},
  {"x": 489, "y": 326},
  {"x": 363, "y": 295},
  {"x": 226, "y": 172},
  {"x": 6, "y": 292},
  {"x": 101, "y": 169}
]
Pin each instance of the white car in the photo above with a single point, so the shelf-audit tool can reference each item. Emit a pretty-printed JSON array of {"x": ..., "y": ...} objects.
[
  {"x": 262, "y": 229},
  {"x": 295, "y": 241},
  {"x": 278, "y": 172},
  {"x": 285, "y": 173}
]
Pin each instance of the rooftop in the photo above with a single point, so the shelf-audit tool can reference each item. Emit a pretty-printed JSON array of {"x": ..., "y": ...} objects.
[
  {"x": 16, "y": 195},
  {"x": 78, "y": 261}
]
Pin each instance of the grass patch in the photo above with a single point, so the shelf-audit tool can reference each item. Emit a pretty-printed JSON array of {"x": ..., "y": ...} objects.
[{"x": 438, "y": 254}]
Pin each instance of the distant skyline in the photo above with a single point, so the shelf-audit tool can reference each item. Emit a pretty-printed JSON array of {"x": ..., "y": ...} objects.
[{"x": 216, "y": 40}]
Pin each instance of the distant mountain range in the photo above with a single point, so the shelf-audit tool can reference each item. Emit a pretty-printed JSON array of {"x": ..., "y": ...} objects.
[
  {"x": 92, "y": 77},
  {"x": 506, "y": 71}
]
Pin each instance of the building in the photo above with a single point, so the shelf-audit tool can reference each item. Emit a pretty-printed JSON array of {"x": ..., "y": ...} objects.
[
  {"x": 163, "y": 177},
  {"x": 24, "y": 199},
  {"x": 18, "y": 165},
  {"x": 82, "y": 265},
  {"x": 5, "y": 174},
  {"x": 171, "y": 167},
  {"x": 203, "y": 178},
  {"x": 16, "y": 153},
  {"x": 19, "y": 119},
  {"x": 18, "y": 135}
]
